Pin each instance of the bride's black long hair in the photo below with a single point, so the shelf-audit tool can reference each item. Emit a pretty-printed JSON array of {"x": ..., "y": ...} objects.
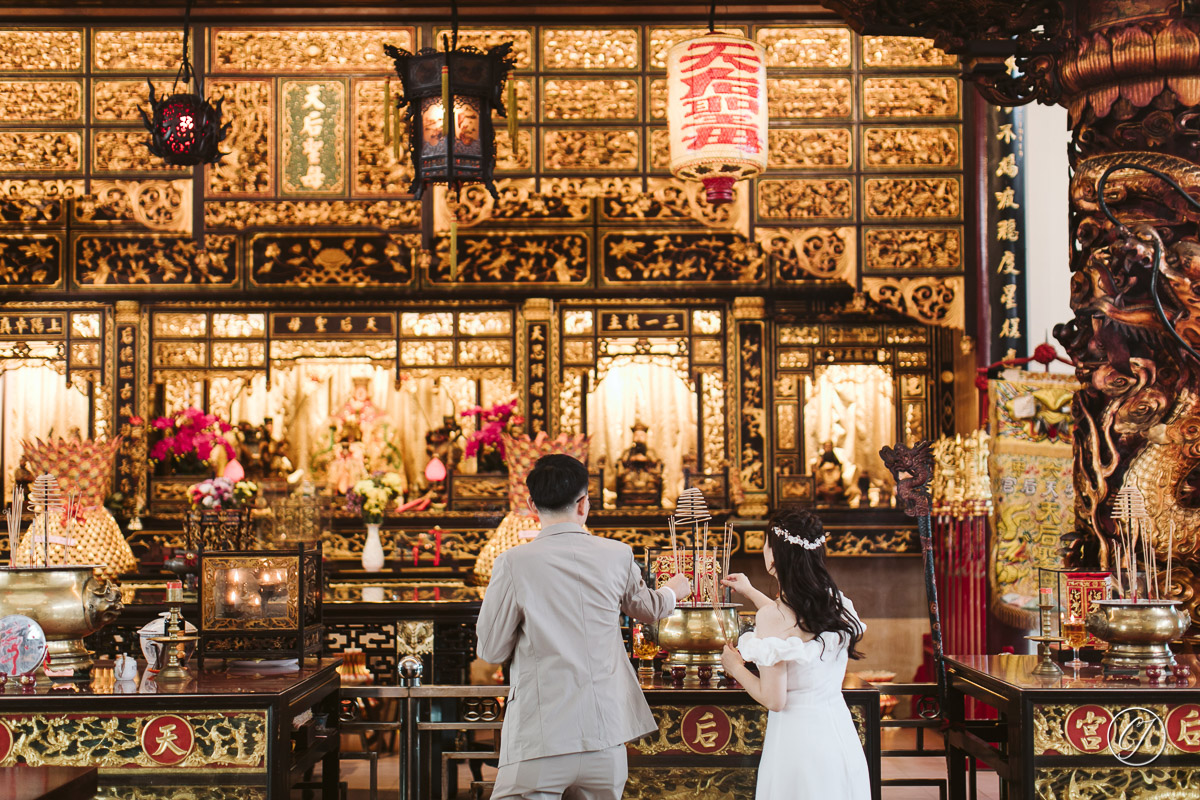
[{"x": 805, "y": 585}]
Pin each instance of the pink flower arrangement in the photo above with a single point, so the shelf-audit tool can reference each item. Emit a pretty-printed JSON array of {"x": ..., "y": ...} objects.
[
  {"x": 492, "y": 423},
  {"x": 191, "y": 432}
]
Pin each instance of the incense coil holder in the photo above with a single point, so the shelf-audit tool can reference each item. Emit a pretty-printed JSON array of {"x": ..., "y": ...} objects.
[
  {"x": 1138, "y": 633},
  {"x": 695, "y": 635}
]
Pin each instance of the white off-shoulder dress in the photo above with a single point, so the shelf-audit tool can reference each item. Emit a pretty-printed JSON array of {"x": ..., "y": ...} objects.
[{"x": 811, "y": 749}]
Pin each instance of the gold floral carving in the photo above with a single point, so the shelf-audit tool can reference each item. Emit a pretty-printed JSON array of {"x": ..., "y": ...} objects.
[
  {"x": 591, "y": 186},
  {"x": 785, "y": 426},
  {"x": 245, "y": 214},
  {"x": 807, "y": 253},
  {"x": 802, "y": 98},
  {"x": 809, "y": 148},
  {"x": 587, "y": 99},
  {"x": 518, "y": 201},
  {"x": 663, "y": 39},
  {"x": 31, "y": 259},
  {"x": 913, "y": 249},
  {"x": 41, "y": 151},
  {"x": 579, "y": 352},
  {"x": 182, "y": 792},
  {"x": 903, "y": 51},
  {"x": 669, "y": 783},
  {"x": 124, "y": 150},
  {"x": 119, "y": 100},
  {"x": 520, "y": 258},
  {"x": 41, "y": 101},
  {"x": 507, "y": 160},
  {"x": 800, "y": 334},
  {"x": 648, "y": 257},
  {"x": 485, "y": 351},
  {"x": 136, "y": 51},
  {"x": 486, "y": 38},
  {"x": 118, "y": 260},
  {"x": 377, "y": 171},
  {"x": 331, "y": 259},
  {"x": 806, "y": 198},
  {"x": 910, "y": 97},
  {"x": 571, "y": 402},
  {"x": 302, "y": 50},
  {"x": 600, "y": 150},
  {"x": 811, "y": 48},
  {"x": 669, "y": 198},
  {"x": 933, "y": 300},
  {"x": 660, "y": 149},
  {"x": 158, "y": 205},
  {"x": 246, "y": 167},
  {"x": 912, "y": 197},
  {"x": 911, "y": 147},
  {"x": 590, "y": 48},
  {"x": 234, "y": 740},
  {"x": 658, "y": 98},
  {"x": 41, "y": 51},
  {"x": 1100, "y": 783},
  {"x": 36, "y": 201},
  {"x": 524, "y": 102},
  {"x": 707, "y": 351}
]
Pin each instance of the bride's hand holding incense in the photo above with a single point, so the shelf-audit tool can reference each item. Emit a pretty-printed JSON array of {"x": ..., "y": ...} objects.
[{"x": 741, "y": 584}]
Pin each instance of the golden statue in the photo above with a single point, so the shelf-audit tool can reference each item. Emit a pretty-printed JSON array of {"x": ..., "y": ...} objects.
[{"x": 639, "y": 472}]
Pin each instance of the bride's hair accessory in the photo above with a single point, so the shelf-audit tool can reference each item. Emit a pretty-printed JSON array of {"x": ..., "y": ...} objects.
[{"x": 807, "y": 544}]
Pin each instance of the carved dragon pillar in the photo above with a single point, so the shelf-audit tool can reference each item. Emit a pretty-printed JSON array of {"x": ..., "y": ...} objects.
[{"x": 1128, "y": 71}]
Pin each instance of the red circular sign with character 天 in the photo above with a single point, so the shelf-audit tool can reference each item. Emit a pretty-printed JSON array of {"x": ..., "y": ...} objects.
[
  {"x": 705, "y": 729},
  {"x": 168, "y": 739}
]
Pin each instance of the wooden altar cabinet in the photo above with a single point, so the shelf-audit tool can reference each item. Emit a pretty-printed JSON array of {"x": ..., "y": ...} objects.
[
  {"x": 1059, "y": 731},
  {"x": 240, "y": 735}
]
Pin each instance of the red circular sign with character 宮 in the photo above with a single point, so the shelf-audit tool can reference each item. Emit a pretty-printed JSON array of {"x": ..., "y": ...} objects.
[
  {"x": 167, "y": 740},
  {"x": 1087, "y": 728},
  {"x": 705, "y": 729}
]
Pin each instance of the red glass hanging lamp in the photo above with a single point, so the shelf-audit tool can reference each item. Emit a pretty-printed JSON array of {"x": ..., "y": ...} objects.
[{"x": 185, "y": 129}]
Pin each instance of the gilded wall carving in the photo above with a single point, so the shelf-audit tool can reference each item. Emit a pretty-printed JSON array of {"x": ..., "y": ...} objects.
[
  {"x": 752, "y": 405},
  {"x": 331, "y": 260},
  {"x": 136, "y": 51},
  {"x": 668, "y": 198},
  {"x": 912, "y": 197},
  {"x": 245, "y": 214},
  {"x": 932, "y": 300},
  {"x": 518, "y": 201},
  {"x": 910, "y": 97},
  {"x": 157, "y": 205},
  {"x": 812, "y": 48},
  {"x": 594, "y": 150},
  {"x": 808, "y": 253},
  {"x": 519, "y": 161},
  {"x": 41, "y": 101},
  {"x": 290, "y": 51},
  {"x": 713, "y": 414},
  {"x": 36, "y": 201},
  {"x": 523, "y": 258},
  {"x": 40, "y": 151},
  {"x": 809, "y": 148},
  {"x": 590, "y": 48},
  {"x": 911, "y": 147},
  {"x": 904, "y": 51},
  {"x": 585, "y": 99},
  {"x": 719, "y": 783},
  {"x": 683, "y": 257},
  {"x": 41, "y": 51},
  {"x": 31, "y": 259},
  {"x": 124, "y": 150},
  {"x": 1100, "y": 783},
  {"x": 805, "y": 98},
  {"x": 118, "y": 100},
  {"x": 313, "y": 157},
  {"x": 660, "y": 149},
  {"x": 487, "y": 38},
  {"x": 801, "y": 198},
  {"x": 913, "y": 249},
  {"x": 114, "y": 260},
  {"x": 377, "y": 170},
  {"x": 247, "y": 166}
]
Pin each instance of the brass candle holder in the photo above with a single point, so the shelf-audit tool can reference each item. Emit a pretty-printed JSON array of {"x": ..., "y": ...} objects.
[
  {"x": 1046, "y": 666},
  {"x": 171, "y": 668}
]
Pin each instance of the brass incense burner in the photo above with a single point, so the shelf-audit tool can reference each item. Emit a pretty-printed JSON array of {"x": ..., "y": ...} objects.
[
  {"x": 1139, "y": 632},
  {"x": 68, "y": 602},
  {"x": 694, "y": 635}
]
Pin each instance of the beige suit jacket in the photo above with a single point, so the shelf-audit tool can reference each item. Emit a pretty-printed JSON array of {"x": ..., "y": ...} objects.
[{"x": 554, "y": 607}]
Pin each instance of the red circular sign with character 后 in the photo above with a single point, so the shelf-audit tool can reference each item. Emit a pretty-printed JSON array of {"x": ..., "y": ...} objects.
[
  {"x": 1183, "y": 727},
  {"x": 705, "y": 729},
  {"x": 167, "y": 740},
  {"x": 1087, "y": 728}
]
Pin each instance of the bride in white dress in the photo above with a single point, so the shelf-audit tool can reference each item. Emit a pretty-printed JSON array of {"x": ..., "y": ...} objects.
[{"x": 801, "y": 644}]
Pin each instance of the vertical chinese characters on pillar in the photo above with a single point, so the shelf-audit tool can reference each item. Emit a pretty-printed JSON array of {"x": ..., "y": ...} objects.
[
  {"x": 1006, "y": 219},
  {"x": 539, "y": 367}
]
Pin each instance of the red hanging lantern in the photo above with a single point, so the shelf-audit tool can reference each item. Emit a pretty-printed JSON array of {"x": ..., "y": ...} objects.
[{"x": 185, "y": 129}]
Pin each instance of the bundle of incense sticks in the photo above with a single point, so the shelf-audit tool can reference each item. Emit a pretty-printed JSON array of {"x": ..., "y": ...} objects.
[
  {"x": 14, "y": 523},
  {"x": 1134, "y": 530},
  {"x": 45, "y": 494},
  {"x": 674, "y": 547},
  {"x": 726, "y": 545},
  {"x": 691, "y": 509},
  {"x": 71, "y": 512}
]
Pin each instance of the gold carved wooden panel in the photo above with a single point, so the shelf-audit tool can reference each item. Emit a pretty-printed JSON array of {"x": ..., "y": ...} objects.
[
  {"x": 916, "y": 197},
  {"x": 571, "y": 99},
  {"x": 805, "y": 198},
  {"x": 119, "y": 100},
  {"x": 567, "y": 49},
  {"x": 486, "y": 38},
  {"x": 32, "y": 260},
  {"x": 810, "y": 148},
  {"x": 809, "y": 98},
  {"x": 912, "y": 249},
  {"x": 520, "y": 160},
  {"x": 933, "y": 300},
  {"x": 376, "y": 169},
  {"x": 806, "y": 48},
  {"x": 914, "y": 52},
  {"x": 305, "y": 50},
  {"x": 118, "y": 150},
  {"x": 27, "y": 51},
  {"x": 590, "y": 150},
  {"x": 911, "y": 97},
  {"x": 41, "y": 151},
  {"x": 245, "y": 214},
  {"x": 152, "y": 50},
  {"x": 247, "y": 168},
  {"x": 659, "y": 146},
  {"x": 806, "y": 254},
  {"x": 160, "y": 205},
  {"x": 931, "y": 147},
  {"x": 41, "y": 100}
]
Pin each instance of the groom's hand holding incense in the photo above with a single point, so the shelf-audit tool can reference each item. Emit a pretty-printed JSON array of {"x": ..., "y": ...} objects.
[
  {"x": 741, "y": 584},
  {"x": 681, "y": 586}
]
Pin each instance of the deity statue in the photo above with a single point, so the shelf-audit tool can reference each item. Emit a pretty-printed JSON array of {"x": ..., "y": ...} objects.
[
  {"x": 358, "y": 442},
  {"x": 639, "y": 472},
  {"x": 836, "y": 477}
]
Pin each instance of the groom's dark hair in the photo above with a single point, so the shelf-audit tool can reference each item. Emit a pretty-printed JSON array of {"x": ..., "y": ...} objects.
[{"x": 556, "y": 482}]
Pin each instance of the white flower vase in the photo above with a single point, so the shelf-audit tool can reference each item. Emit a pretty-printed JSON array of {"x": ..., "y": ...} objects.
[{"x": 372, "y": 555}]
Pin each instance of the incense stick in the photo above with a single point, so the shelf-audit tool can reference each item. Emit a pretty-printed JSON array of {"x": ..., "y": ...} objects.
[
  {"x": 72, "y": 510},
  {"x": 14, "y": 523},
  {"x": 1170, "y": 549}
]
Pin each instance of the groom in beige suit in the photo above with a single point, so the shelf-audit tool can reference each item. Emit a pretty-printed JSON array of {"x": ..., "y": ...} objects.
[{"x": 553, "y": 606}]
